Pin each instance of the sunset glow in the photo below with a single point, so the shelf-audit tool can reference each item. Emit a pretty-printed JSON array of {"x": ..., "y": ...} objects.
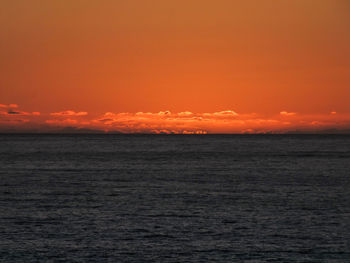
[
  {"x": 166, "y": 122},
  {"x": 175, "y": 66}
]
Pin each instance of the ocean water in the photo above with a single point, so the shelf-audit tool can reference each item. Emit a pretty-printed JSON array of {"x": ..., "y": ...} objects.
[{"x": 160, "y": 198}]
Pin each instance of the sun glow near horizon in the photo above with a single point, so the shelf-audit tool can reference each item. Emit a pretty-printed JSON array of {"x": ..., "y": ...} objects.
[
  {"x": 175, "y": 66},
  {"x": 167, "y": 122}
]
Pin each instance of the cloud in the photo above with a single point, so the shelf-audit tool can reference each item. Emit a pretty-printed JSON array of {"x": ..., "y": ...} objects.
[
  {"x": 162, "y": 113},
  {"x": 221, "y": 114},
  {"x": 185, "y": 113},
  {"x": 217, "y": 122},
  {"x": 143, "y": 113},
  {"x": 185, "y": 122},
  {"x": 8, "y": 106},
  {"x": 317, "y": 123},
  {"x": 285, "y": 113},
  {"x": 69, "y": 113},
  {"x": 167, "y": 131},
  {"x": 195, "y": 132},
  {"x": 15, "y": 112},
  {"x": 11, "y": 110},
  {"x": 62, "y": 122},
  {"x": 226, "y": 113},
  {"x": 14, "y": 121}
]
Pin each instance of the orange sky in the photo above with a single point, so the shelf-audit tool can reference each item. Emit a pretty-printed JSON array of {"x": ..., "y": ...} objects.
[{"x": 115, "y": 59}]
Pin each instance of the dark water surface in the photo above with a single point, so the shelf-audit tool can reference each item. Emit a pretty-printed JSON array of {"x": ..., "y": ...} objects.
[{"x": 119, "y": 198}]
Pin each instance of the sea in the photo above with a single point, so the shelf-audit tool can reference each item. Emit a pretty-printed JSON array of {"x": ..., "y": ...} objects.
[{"x": 174, "y": 198}]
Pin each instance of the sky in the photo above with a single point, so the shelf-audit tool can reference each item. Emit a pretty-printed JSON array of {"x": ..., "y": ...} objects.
[{"x": 175, "y": 66}]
